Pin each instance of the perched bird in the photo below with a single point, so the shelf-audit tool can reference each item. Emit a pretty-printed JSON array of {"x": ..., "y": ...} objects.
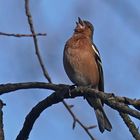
[{"x": 83, "y": 66}]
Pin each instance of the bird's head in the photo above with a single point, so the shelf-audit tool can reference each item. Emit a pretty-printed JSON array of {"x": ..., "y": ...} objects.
[{"x": 84, "y": 27}]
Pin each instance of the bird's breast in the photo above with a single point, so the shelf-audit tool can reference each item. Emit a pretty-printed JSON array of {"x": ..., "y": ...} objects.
[{"x": 80, "y": 66}]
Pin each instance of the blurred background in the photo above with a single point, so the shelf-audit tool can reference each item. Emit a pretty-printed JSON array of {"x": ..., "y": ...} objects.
[{"x": 117, "y": 36}]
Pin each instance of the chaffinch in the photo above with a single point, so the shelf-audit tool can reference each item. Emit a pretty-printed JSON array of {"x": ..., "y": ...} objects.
[{"x": 83, "y": 66}]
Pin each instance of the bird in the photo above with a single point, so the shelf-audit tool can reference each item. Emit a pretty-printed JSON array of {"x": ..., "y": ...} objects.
[{"x": 83, "y": 66}]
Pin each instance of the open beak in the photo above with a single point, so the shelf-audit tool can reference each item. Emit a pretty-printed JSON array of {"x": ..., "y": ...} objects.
[{"x": 80, "y": 23}]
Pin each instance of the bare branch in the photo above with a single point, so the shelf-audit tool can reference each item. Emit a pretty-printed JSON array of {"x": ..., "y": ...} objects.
[
  {"x": 38, "y": 109},
  {"x": 116, "y": 102},
  {"x": 30, "y": 21},
  {"x": 6, "y": 88},
  {"x": 130, "y": 124},
  {"x": 58, "y": 96},
  {"x": 75, "y": 119},
  {"x": 22, "y": 35},
  {"x": 34, "y": 114},
  {"x": 1, "y": 120},
  {"x": 109, "y": 99},
  {"x": 135, "y": 103},
  {"x": 91, "y": 127}
]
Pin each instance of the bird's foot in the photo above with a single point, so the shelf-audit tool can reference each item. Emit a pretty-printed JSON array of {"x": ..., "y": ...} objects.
[{"x": 71, "y": 88}]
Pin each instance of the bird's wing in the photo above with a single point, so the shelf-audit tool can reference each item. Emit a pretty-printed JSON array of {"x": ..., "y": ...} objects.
[{"x": 99, "y": 63}]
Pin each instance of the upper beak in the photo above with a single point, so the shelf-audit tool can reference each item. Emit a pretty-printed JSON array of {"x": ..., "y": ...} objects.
[{"x": 80, "y": 22}]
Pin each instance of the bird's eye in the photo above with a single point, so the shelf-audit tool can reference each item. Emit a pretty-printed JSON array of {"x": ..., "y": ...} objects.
[{"x": 89, "y": 26}]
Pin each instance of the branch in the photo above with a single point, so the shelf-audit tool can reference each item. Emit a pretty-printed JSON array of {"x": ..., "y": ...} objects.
[
  {"x": 22, "y": 35},
  {"x": 115, "y": 102},
  {"x": 59, "y": 95},
  {"x": 1, "y": 121},
  {"x": 75, "y": 119},
  {"x": 30, "y": 21},
  {"x": 37, "y": 110},
  {"x": 132, "y": 128},
  {"x": 18, "y": 86},
  {"x": 34, "y": 114},
  {"x": 6, "y": 88},
  {"x": 110, "y": 99},
  {"x": 135, "y": 103}
]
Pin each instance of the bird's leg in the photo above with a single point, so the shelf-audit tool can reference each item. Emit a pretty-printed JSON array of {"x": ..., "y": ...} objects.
[{"x": 71, "y": 88}]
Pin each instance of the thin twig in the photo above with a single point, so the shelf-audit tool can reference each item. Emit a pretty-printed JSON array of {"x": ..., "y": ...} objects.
[
  {"x": 135, "y": 103},
  {"x": 22, "y": 35},
  {"x": 75, "y": 119},
  {"x": 30, "y": 21},
  {"x": 130, "y": 124}
]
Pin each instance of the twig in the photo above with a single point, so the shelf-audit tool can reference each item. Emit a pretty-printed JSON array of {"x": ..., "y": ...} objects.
[
  {"x": 135, "y": 103},
  {"x": 22, "y": 35},
  {"x": 75, "y": 119},
  {"x": 130, "y": 124},
  {"x": 1, "y": 120},
  {"x": 30, "y": 21}
]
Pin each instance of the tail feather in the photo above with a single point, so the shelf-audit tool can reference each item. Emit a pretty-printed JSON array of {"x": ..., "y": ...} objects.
[{"x": 102, "y": 119}]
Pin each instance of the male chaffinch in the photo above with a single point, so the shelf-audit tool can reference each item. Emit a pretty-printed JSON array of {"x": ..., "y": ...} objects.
[{"x": 83, "y": 66}]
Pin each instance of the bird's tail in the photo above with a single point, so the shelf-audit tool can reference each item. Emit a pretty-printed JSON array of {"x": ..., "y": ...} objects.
[{"x": 102, "y": 119}]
